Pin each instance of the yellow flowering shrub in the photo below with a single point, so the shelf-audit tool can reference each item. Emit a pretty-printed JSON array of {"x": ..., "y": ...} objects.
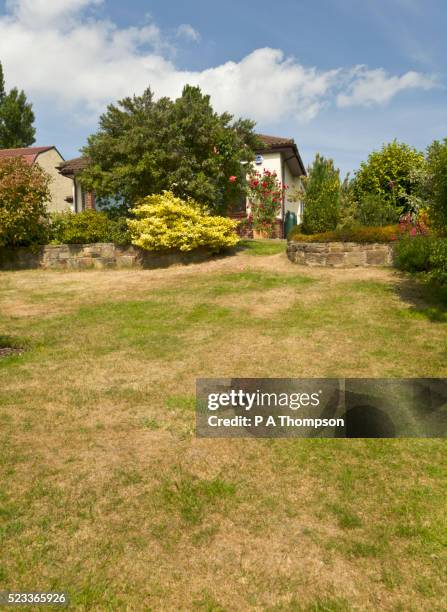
[{"x": 165, "y": 222}]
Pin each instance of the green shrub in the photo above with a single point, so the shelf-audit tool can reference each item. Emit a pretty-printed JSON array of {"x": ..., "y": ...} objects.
[
  {"x": 348, "y": 234},
  {"x": 87, "y": 227},
  {"x": 24, "y": 192},
  {"x": 373, "y": 211},
  {"x": 165, "y": 222},
  {"x": 423, "y": 254},
  {"x": 393, "y": 173},
  {"x": 437, "y": 183},
  {"x": 321, "y": 196},
  {"x": 412, "y": 254}
]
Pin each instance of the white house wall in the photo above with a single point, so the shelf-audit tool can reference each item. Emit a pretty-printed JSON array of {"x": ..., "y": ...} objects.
[
  {"x": 294, "y": 183},
  {"x": 79, "y": 204}
]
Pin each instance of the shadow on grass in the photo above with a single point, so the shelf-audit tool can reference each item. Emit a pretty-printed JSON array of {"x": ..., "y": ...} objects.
[
  {"x": 10, "y": 347},
  {"x": 427, "y": 299}
]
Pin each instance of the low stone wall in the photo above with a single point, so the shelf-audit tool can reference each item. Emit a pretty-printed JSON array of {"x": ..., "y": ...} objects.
[
  {"x": 98, "y": 256},
  {"x": 340, "y": 254}
]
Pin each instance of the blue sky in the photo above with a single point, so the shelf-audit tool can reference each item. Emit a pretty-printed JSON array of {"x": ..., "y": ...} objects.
[{"x": 339, "y": 76}]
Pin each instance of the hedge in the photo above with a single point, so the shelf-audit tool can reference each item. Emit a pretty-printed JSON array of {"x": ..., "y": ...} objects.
[
  {"x": 87, "y": 227},
  {"x": 387, "y": 233}
]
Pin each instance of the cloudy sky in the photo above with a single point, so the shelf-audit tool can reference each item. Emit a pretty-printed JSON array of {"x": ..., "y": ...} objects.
[{"x": 339, "y": 76}]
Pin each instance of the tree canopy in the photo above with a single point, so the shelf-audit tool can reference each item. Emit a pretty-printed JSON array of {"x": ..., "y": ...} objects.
[
  {"x": 144, "y": 146},
  {"x": 16, "y": 118},
  {"x": 436, "y": 184},
  {"x": 391, "y": 173}
]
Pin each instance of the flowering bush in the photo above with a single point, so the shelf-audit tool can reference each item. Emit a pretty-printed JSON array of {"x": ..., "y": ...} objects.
[
  {"x": 413, "y": 224},
  {"x": 266, "y": 194},
  {"x": 419, "y": 250},
  {"x": 164, "y": 222},
  {"x": 24, "y": 191}
]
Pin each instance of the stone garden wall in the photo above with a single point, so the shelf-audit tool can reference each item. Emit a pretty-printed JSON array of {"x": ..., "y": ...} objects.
[
  {"x": 340, "y": 254},
  {"x": 97, "y": 256}
]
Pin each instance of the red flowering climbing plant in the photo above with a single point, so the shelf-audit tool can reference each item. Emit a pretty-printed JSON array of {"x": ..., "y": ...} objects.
[{"x": 265, "y": 194}]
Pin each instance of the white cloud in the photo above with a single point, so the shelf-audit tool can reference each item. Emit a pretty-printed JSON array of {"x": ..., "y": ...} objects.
[
  {"x": 369, "y": 87},
  {"x": 38, "y": 13},
  {"x": 64, "y": 54},
  {"x": 185, "y": 30}
]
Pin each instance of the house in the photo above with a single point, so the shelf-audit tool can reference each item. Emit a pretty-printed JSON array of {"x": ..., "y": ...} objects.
[
  {"x": 48, "y": 158},
  {"x": 82, "y": 199},
  {"x": 278, "y": 155}
]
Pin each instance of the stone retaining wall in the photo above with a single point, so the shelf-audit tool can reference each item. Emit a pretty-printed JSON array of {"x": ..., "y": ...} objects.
[
  {"x": 99, "y": 256},
  {"x": 340, "y": 254}
]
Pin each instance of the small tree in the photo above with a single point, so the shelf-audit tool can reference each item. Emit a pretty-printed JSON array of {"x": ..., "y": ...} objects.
[
  {"x": 16, "y": 118},
  {"x": 321, "y": 197},
  {"x": 392, "y": 174},
  {"x": 437, "y": 183},
  {"x": 348, "y": 205},
  {"x": 24, "y": 190},
  {"x": 144, "y": 146}
]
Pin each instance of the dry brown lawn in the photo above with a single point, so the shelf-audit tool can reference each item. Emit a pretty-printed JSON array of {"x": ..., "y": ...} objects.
[{"x": 105, "y": 491}]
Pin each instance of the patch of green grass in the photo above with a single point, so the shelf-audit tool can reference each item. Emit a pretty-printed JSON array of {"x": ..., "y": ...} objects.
[
  {"x": 184, "y": 403},
  {"x": 370, "y": 287},
  {"x": 321, "y": 604},
  {"x": 435, "y": 314},
  {"x": 209, "y": 313},
  {"x": 329, "y": 605},
  {"x": 252, "y": 280},
  {"x": 345, "y": 517},
  {"x": 206, "y": 602},
  {"x": 149, "y": 423},
  {"x": 190, "y": 497},
  {"x": 263, "y": 247},
  {"x": 204, "y": 536},
  {"x": 365, "y": 549}
]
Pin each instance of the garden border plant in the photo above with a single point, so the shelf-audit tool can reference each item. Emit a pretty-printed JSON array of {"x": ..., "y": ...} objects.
[{"x": 266, "y": 195}]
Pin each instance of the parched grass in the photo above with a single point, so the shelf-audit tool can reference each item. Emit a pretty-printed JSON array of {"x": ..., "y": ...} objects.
[{"x": 105, "y": 492}]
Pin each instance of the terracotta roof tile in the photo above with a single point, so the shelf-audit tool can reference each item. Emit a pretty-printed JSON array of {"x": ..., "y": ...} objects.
[{"x": 29, "y": 154}]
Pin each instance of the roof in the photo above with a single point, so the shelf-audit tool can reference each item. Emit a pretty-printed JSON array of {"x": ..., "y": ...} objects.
[
  {"x": 286, "y": 146},
  {"x": 275, "y": 141},
  {"x": 73, "y": 166},
  {"x": 29, "y": 154},
  {"x": 271, "y": 143}
]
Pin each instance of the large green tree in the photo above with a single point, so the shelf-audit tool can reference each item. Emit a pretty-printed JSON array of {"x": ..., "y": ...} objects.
[
  {"x": 16, "y": 118},
  {"x": 436, "y": 184},
  {"x": 393, "y": 173},
  {"x": 144, "y": 146},
  {"x": 321, "y": 196}
]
